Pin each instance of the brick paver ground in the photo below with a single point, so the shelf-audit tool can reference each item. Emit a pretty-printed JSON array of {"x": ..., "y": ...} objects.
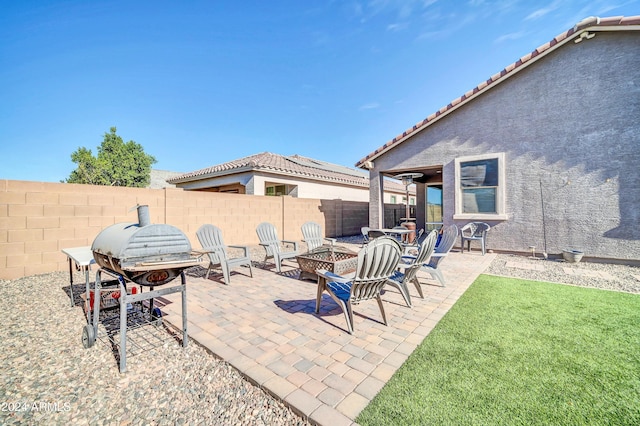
[{"x": 267, "y": 328}]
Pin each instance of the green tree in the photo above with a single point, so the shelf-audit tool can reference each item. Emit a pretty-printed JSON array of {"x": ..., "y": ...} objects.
[{"x": 117, "y": 164}]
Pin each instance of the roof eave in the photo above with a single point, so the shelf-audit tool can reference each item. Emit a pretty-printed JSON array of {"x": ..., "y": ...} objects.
[
  {"x": 269, "y": 170},
  {"x": 311, "y": 177},
  {"x": 211, "y": 175}
]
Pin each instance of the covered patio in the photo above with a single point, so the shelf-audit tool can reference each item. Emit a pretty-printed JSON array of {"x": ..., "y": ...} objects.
[
  {"x": 267, "y": 328},
  {"x": 429, "y": 190}
]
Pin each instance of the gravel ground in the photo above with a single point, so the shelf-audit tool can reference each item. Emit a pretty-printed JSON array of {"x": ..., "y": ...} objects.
[
  {"x": 49, "y": 377},
  {"x": 585, "y": 274}
]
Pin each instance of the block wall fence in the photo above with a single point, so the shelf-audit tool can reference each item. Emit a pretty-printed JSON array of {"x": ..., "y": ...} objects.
[{"x": 39, "y": 219}]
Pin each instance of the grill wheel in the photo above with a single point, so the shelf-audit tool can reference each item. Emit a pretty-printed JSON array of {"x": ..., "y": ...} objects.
[{"x": 88, "y": 336}]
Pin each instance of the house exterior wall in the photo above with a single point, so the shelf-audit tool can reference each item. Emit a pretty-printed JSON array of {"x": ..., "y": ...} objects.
[
  {"x": 38, "y": 219},
  {"x": 253, "y": 183},
  {"x": 204, "y": 184},
  {"x": 399, "y": 197},
  {"x": 568, "y": 125},
  {"x": 311, "y": 189}
]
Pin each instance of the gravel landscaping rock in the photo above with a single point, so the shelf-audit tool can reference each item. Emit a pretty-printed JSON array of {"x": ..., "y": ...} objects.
[
  {"x": 48, "y": 377},
  {"x": 585, "y": 274}
]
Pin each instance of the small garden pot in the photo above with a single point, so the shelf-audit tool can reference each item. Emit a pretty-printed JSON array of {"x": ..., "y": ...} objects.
[{"x": 572, "y": 256}]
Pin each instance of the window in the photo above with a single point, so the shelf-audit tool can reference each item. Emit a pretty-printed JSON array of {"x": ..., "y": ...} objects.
[
  {"x": 480, "y": 187},
  {"x": 393, "y": 199},
  {"x": 275, "y": 190}
]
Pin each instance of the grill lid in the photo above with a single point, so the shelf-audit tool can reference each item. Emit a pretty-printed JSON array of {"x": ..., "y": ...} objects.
[
  {"x": 132, "y": 244},
  {"x": 148, "y": 254}
]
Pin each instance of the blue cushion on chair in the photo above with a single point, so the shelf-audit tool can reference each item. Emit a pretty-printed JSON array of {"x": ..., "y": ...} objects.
[
  {"x": 397, "y": 276},
  {"x": 341, "y": 290}
]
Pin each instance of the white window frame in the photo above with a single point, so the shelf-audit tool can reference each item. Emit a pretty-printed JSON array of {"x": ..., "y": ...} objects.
[
  {"x": 501, "y": 213},
  {"x": 288, "y": 188}
]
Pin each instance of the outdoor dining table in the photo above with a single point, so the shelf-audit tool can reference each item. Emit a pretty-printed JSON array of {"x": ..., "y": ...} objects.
[
  {"x": 393, "y": 231},
  {"x": 402, "y": 233}
]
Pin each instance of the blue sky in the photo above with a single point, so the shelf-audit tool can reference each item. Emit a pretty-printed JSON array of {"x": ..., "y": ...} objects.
[{"x": 199, "y": 83}]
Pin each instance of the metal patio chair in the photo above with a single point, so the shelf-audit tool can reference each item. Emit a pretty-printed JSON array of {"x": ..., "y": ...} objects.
[
  {"x": 376, "y": 262},
  {"x": 210, "y": 238},
  {"x": 268, "y": 236},
  {"x": 312, "y": 235}
]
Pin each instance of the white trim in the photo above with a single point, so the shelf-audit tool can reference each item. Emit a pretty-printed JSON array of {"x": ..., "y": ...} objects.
[
  {"x": 501, "y": 198},
  {"x": 479, "y": 216}
]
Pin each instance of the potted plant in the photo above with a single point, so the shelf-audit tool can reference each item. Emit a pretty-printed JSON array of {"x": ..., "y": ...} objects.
[{"x": 572, "y": 256}]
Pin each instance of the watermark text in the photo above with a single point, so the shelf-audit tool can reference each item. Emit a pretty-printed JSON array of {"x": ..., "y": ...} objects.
[{"x": 41, "y": 406}]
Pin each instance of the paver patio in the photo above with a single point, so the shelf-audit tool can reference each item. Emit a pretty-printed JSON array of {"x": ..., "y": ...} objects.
[{"x": 267, "y": 328}]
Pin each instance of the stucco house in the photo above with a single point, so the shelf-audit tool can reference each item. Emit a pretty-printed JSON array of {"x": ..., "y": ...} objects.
[
  {"x": 267, "y": 173},
  {"x": 547, "y": 151}
]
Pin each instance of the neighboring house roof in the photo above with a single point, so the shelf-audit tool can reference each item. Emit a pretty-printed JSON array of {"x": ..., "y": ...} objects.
[
  {"x": 577, "y": 33},
  {"x": 292, "y": 166}
]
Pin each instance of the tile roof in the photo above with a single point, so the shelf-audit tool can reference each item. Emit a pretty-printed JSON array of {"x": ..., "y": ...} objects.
[
  {"x": 591, "y": 23},
  {"x": 293, "y": 165}
]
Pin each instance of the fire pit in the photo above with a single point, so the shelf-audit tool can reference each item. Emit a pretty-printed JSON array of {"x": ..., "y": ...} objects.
[
  {"x": 338, "y": 260},
  {"x": 145, "y": 254}
]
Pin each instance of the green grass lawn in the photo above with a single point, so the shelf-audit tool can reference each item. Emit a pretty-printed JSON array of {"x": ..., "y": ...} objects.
[{"x": 518, "y": 352}]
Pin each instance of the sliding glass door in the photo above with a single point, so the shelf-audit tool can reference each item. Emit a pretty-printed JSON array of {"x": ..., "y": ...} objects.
[{"x": 433, "y": 207}]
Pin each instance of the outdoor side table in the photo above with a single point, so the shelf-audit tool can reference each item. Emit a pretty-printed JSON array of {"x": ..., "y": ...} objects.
[{"x": 82, "y": 258}]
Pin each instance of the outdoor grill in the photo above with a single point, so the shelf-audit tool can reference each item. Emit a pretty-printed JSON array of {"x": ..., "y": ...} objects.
[{"x": 146, "y": 254}]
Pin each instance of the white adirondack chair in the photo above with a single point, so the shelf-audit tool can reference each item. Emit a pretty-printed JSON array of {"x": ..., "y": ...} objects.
[{"x": 210, "y": 238}]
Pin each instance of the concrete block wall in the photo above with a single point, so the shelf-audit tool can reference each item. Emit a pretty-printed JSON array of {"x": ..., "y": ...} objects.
[
  {"x": 39, "y": 219},
  {"x": 237, "y": 215},
  {"x": 353, "y": 216}
]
